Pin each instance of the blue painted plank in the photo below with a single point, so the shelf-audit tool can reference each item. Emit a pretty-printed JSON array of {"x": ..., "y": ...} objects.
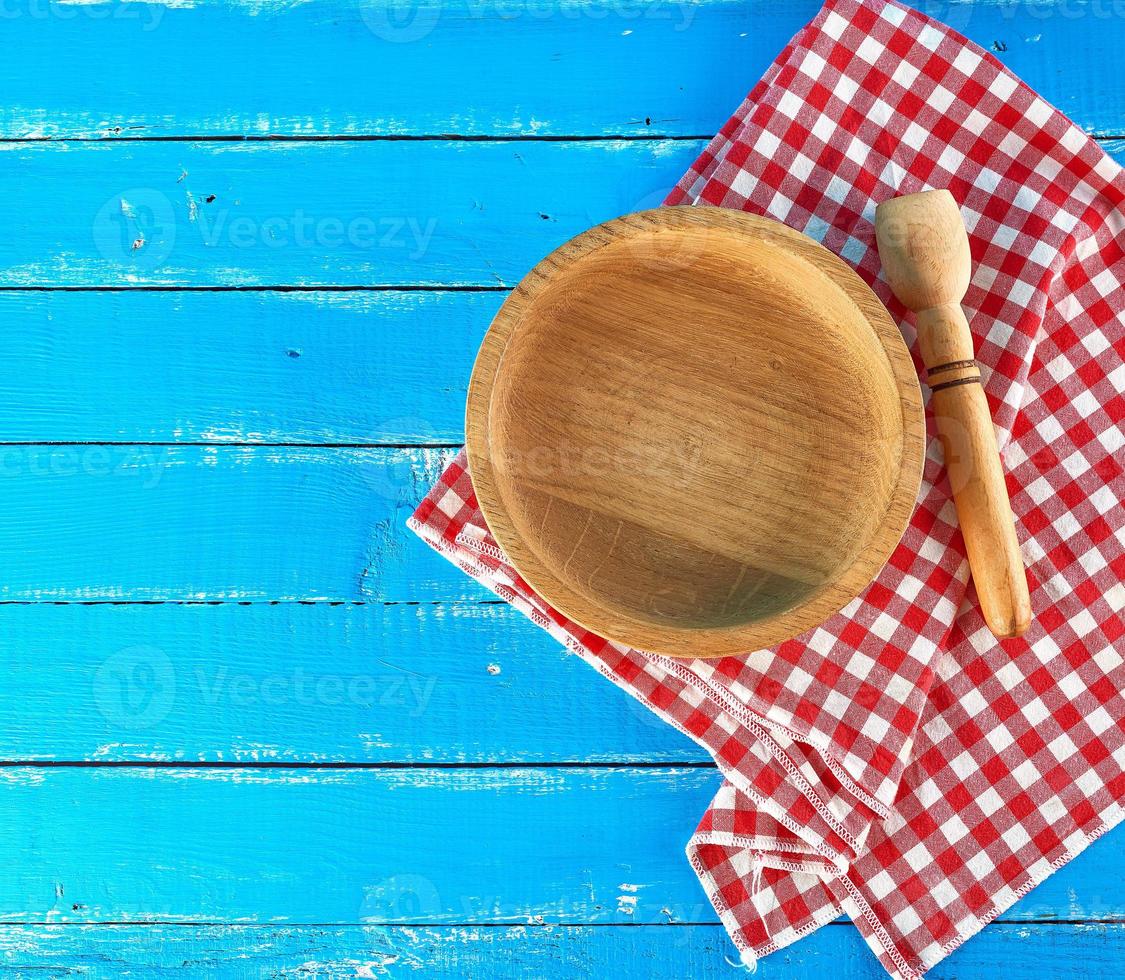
[
  {"x": 536, "y": 67},
  {"x": 218, "y": 522},
  {"x": 311, "y": 683},
  {"x": 1094, "y": 951},
  {"x": 310, "y": 214},
  {"x": 388, "y": 67},
  {"x": 320, "y": 367},
  {"x": 314, "y": 214},
  {"x": 390, "y": 846},
  {"x": 440, "y": 846}
]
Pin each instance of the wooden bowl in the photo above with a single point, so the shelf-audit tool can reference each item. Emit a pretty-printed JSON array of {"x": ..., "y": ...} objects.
[{"x": 695, "y": 432}]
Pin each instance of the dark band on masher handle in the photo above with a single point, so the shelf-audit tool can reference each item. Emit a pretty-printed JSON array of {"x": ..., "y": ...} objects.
[
  {"x": 954, "y": 384},
  {"x": 953, "y": 366}
]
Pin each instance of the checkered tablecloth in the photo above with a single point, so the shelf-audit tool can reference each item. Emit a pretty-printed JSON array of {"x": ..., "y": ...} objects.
[{"x": 898, "y": 763}]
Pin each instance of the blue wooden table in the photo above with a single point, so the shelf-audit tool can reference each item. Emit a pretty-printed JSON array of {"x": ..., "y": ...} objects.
[{"x": 251, "y": 726}]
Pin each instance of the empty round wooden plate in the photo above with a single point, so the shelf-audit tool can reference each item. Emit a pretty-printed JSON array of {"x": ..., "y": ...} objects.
[{"x": 695, "y": 432}]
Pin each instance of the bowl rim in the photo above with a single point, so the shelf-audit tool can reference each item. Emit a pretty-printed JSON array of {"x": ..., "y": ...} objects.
[{"x": 671, "y": 640}]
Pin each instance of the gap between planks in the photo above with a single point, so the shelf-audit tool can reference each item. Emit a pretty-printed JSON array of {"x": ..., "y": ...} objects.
[
  {"x": 400, "y": 138},
  {"x": 235, "y": 444},
  {"x": 253, "y": 602},
  {"x": 574, "y": 924},
  {"x": 326, "y": 288},
  {"x": 373, "y": 138},
  {"x": 421, "y": 766}
]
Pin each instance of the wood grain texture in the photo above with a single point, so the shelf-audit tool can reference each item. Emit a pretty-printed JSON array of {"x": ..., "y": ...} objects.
[
  {"x": 1005, "y": 951},
  {"x": 128, "y": 214},
  {"x": 332, "y": 67},
  {"x": 695, "y": 432},
  {"x": 322, "y": 367},
  {"x": 474, "y": 845},
  {"x": 311, "y": 684}
]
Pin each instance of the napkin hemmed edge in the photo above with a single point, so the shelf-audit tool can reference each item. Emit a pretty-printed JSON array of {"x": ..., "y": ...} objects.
[{"x": 858, "y": 910}]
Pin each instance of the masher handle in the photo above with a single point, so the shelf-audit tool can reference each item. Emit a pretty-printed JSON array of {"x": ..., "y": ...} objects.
[{"x": 972, "y": 460}]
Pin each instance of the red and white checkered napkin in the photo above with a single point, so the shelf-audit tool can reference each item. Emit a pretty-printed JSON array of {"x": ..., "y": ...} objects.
[{"x": 898, "y": 763}]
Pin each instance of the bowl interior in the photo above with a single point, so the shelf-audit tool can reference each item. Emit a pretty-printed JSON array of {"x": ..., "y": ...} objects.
[{"x": 695, "y": 451}]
